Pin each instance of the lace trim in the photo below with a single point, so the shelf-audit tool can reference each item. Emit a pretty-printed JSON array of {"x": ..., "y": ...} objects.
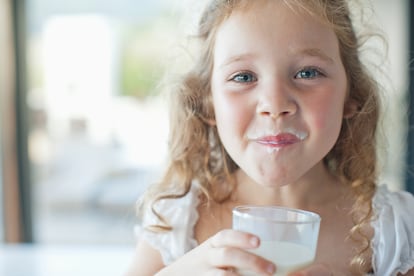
[
  {"x": 175, "y": 243},
  {"x": 386, "y": 201}
]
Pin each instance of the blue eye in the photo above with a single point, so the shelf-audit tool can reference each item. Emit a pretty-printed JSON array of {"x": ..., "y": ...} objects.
[
  {"x": 308, "y": 73},
  {"x": 244, "y": 77}
]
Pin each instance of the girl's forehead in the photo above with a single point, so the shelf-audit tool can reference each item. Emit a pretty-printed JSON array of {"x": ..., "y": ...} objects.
[
  {"x": 290, "y": 18},
  {"x": 258, "y": 8},
  {"x": 275, "y": 12},
  {"x": 273, "y": 29}
]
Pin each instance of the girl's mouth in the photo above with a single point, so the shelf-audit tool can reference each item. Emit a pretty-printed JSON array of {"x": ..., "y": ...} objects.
[{"x": 279, "y": 140}]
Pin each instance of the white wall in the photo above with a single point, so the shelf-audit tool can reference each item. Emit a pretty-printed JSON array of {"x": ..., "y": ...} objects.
[{"x": 393, "y": 19}]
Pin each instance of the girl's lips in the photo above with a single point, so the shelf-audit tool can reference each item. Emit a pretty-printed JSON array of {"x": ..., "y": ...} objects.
[
  {"x": 280, "y": 140},
  {"x": 276, "y": 140}
]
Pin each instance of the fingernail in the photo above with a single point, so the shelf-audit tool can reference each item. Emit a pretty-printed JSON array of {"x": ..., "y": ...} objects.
[
  {"x": 271, "y": 269},
  {"x": 254, "y": 241}
]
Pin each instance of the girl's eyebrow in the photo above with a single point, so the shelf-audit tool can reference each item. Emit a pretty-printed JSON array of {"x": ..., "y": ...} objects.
[
  {"x": 236, "y": 58},
  {"x": 313, "y": 52},
  {"x": 316, "y": 52}
]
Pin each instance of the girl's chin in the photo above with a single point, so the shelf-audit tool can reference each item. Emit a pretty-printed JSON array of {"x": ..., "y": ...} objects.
[{"x": 265, "y": 178}]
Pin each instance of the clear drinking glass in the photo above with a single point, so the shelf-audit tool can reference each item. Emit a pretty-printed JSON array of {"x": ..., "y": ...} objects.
[{"x": 288, "y": 236}]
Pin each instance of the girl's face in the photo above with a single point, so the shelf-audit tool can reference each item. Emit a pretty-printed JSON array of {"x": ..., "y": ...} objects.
[{"x": 279, "y": 88}]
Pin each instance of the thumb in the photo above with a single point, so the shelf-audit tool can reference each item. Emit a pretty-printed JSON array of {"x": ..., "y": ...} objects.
[{"x": 314, "y": 270}]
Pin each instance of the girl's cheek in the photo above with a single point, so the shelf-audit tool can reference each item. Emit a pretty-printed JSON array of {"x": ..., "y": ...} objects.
[{"x": 325, "y": 113}]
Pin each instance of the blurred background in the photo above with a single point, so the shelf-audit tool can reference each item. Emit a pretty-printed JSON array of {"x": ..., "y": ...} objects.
[{"x": 84, "y": 123}]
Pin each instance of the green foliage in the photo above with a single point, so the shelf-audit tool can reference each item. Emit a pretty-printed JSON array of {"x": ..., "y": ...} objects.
[
  {"x": 139, "y": 75},
  {"x": 143, "y": 54}
]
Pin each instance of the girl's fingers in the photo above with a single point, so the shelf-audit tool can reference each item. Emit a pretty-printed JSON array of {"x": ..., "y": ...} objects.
[
  {"x": 227, "y": 249},
  {"x": 233, "y": 238},
  {"x": 236, "y": 257},
  {"x": 222, "y": 272},
  {"x": 314, "y": 270}
]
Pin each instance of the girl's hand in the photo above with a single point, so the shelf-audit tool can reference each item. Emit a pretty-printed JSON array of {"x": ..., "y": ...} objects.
[
  {"x": 222, "y": 254},
  {"x": 314, "y": 270}
]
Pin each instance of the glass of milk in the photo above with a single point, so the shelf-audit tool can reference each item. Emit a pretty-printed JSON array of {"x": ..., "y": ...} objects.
[{"x": 288, "y": 237}]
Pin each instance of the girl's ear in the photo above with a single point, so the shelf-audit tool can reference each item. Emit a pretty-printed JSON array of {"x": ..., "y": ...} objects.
[
  {"x": 210, "y": 122},
  {"x": 207, "y": 120},
  {"x": 350, "y": 109}
]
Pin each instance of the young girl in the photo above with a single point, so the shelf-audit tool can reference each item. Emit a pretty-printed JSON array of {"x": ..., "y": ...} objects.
[{"x": 278, "y": 110}]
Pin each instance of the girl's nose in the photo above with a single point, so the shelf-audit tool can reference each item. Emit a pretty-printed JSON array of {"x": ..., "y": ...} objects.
[{"x": 276, "y": 102}]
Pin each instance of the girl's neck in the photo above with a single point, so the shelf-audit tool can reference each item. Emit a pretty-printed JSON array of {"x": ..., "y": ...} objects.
[{"x": 315, "y": 189}]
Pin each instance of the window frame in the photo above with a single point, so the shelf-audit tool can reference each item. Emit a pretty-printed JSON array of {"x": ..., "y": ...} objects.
[
  {"x": 409, "y": 182},
  {"x": 14, "y": 159}
]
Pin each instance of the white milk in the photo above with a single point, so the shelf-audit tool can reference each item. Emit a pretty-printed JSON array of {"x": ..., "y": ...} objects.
[{"x": 287, "y": 256}]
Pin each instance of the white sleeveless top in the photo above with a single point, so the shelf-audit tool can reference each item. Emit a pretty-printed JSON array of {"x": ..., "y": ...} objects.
[{"x": 392, "y": 244}]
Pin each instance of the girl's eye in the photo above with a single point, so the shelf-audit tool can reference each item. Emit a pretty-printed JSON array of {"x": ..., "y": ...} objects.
[
  {"x": 308, "y": 73},
  {"x": 243, "y": 77}
]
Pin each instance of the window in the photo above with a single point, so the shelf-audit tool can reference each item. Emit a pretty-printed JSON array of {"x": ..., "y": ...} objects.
[{"x": 98, "y": 125}]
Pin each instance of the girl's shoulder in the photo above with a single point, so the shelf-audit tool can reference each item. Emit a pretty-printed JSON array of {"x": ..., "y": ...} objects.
[
  {"x": 181, "y": 214},
  {"x": 393, "y": 224}
]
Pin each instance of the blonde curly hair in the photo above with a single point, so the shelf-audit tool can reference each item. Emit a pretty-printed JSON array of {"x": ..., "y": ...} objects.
[{"x": 195, "y": 150}]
